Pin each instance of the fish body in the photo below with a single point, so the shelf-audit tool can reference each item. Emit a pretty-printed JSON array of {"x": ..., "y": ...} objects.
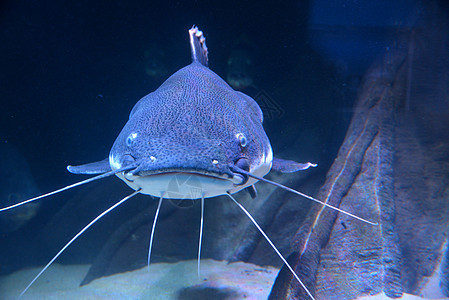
[
  {"x": 194, "y": 123},
  {"x": 193, "y": 138},
  {"x": 183, "y": 139}
]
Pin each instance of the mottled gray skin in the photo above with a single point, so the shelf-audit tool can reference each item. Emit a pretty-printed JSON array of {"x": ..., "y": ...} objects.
[
  {"x": 192, "y": 119},
  {"x": 193, "y": 127}
]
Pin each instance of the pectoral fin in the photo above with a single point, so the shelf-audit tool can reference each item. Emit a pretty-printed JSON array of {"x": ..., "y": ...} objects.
[
  {"x": 289, "y": 166},
  {"x": 97, "y": 167}
]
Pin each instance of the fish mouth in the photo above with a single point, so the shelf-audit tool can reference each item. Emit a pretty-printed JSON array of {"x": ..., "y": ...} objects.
[
  {"x": 193, "y": 180},
  {"x": 236, "y": 178},
  {"x": 183, "y": 183},
  {"x": 199, "y": 172}
]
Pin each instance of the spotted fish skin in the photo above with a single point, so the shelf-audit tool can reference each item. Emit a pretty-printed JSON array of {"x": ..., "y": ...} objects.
[
  {"x": 193, "y": 118},
  {"x": 193, "y": 126},
  {"x": 193, "y": 122}
]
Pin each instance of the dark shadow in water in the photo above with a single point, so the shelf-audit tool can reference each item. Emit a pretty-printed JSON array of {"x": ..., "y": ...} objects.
[{"x": 206, "y": 293}]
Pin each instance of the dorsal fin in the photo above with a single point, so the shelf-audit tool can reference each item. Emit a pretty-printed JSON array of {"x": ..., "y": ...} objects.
[{"x": 198, "y": 46}]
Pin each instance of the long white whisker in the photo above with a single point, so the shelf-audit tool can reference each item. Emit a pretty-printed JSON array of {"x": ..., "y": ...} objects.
[
  {"x": 272, "y": 245},
  {"x": 101, "y": 176},
  {"x": 153, "y": 227},
  {"x": 201, "y": 235},
  {"x": 303, "y": 195},
  {"x": 75, "y": 237}
]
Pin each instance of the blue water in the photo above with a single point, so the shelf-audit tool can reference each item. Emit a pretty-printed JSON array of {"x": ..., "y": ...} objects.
[{"x": 71, "y": 72}]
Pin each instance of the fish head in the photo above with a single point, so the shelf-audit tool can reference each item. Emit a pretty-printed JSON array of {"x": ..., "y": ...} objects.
[{"x": 185, "y": 137}]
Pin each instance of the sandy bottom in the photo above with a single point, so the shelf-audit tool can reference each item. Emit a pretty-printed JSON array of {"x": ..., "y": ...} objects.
[
  {"x": 404, "y": 297},
  {"x": 178, "y": 281},
  {"x": 219, "y": 280}
]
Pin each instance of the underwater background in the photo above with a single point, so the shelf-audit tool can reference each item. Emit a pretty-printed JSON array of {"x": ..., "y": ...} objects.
[{"x": 359, "y": 87}]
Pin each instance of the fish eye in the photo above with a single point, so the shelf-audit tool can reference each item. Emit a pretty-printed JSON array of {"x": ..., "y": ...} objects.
[
  {"x": 242, "y": 139},
  {"x": 130, "y": 139}
]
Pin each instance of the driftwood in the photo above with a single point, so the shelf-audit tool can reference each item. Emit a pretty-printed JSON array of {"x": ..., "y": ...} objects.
[{"x": 392, "y": 168}]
